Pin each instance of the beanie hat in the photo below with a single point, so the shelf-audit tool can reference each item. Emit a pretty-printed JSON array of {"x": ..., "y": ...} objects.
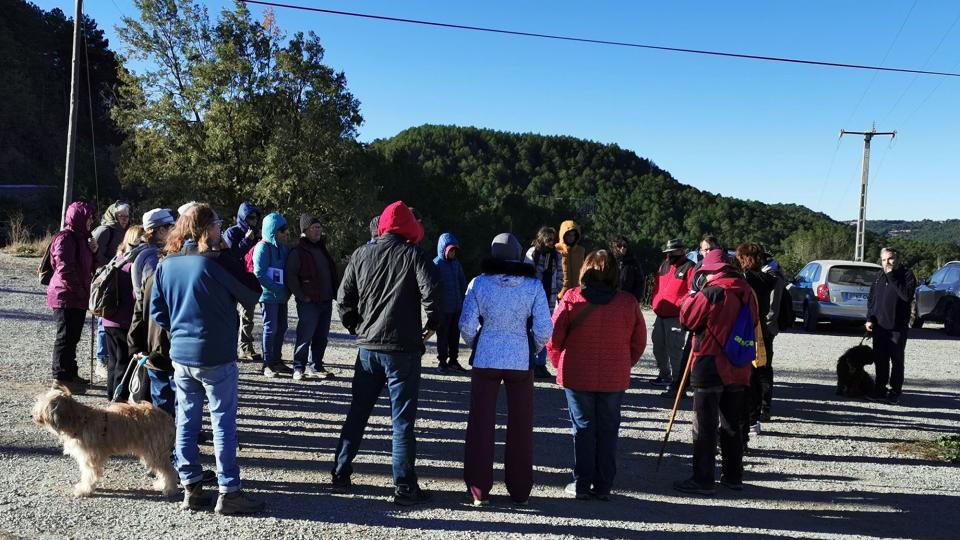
[
  {"x": 158, "y": 217},
  {"x": 306, "y": 220},
  {"x": 506, "y": 247}
]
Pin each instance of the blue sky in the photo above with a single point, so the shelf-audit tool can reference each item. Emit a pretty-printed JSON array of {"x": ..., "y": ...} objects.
[{"x": 742, "y": 128}]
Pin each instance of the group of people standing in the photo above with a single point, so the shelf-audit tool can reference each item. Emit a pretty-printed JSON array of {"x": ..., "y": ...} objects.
[{"x": 193, "y": 289}]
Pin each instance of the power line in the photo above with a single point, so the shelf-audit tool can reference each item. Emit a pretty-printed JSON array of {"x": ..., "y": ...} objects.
[{"x": 601, "y": 41}]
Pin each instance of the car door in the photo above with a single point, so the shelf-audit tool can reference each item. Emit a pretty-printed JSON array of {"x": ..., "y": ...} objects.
[
  {"x": 926, "y": 295},
  {"x": 802, "y": 287},
  {"x": 946, "y": 286}
]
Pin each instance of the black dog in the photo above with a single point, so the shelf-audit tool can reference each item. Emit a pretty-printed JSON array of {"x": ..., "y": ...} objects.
[{"x": 852, "y": 379}]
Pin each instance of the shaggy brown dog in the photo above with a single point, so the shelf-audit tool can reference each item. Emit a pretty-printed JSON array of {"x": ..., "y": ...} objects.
[{"x": 92, "y": 435}]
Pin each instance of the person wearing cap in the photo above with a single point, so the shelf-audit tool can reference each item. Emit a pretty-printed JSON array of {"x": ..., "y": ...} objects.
[
  {"x": 454, "y": 283},
  {"x": 157, "y": 224},
  {"x": 240, "y": 239},
  {"x": 496, "y": 311},
  {"x": 384, "y": 288},
  {"x": 269, "y": 266},
  {"x": 719, "y": 386},
  {"x": 670, "y": 287},
  {"x": 312, "y": 278}
]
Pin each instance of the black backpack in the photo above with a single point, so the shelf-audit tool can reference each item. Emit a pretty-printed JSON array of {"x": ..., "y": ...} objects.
[{"x": 105, "y": 288}]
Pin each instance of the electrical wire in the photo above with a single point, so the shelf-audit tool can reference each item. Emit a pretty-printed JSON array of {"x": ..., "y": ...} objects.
[{"x": 601, "y": 41}]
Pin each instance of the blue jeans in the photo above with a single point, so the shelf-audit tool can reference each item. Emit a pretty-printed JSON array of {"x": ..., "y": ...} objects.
[
  {"x": 400, "y": 372},
  {"x": 274, "y": 329},
  {"x": 219, "y": 385},
  {"x": 162, "y": 393},
  {"x": 596, "y": 424},
  {"x": 313, "y": 328},
  {"x": 101, "y": 343}
]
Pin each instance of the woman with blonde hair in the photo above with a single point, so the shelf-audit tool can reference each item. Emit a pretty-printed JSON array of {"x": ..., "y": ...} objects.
[
  {"x": 116, "y": 322},
  {"x": 598, "y": 335}
]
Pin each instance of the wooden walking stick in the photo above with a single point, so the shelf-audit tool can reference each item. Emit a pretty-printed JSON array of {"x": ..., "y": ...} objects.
[
  {"x": 676, "y": 404},
  {"x": 93, "y": 333}
]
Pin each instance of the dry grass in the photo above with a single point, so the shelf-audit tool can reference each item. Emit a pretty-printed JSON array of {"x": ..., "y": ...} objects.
[
  {"x": 20, "y": 243},
  {"x": 930, "y": 450}
]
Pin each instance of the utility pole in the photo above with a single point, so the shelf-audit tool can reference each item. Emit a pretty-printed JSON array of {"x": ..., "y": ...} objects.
[
  {"x": 72, "y": 122},
  {"x": 862, "y": 216}
]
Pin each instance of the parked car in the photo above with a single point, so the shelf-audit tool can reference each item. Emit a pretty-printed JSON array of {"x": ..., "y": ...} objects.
[
  {"x": 832, "y": 290},
  {"x": 938, "y": 299}
]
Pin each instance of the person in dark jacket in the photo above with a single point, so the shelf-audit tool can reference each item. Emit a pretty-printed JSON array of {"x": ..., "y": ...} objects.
[
  {"x": 313, "y": 280},
  {"x": 598, "y": 335},
  {"x": 71, "y": 257},
  {"x": 751, "y": 259},
  {"x": 454, "y": 283},
  {"x": 384, "y": 288},
  {"x": 671, "y": 286},
  {"x": 195, "y": 300},
  {"x": 719, "y": 385},
  {"x": 632, "y": 279},
  {"x": 548, "y": 268},
  {"x": 888, "y": 316},
  {"x": 116, "y": 323},
  {"x": 108, "y": 236},
  {"x": 240, "y": 239}
]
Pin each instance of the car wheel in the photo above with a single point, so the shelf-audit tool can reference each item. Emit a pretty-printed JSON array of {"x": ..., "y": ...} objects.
[
  {"x": 951, "y": 322},
  {"x": 809, "y": 319},
  {"x": 916, "y": 321}
]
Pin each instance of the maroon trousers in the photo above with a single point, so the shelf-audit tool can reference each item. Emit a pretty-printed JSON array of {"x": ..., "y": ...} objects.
[{"x": 481, "y": 432}]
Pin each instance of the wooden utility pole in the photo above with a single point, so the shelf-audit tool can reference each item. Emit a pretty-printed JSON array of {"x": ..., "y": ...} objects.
[
  {"x": 72, "y": 122},
  {"x": 862, "y": 216}
]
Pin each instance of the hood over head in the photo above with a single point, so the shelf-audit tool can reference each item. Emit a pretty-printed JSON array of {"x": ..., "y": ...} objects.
[
  {"x": 110, "y": 216},
  {"x": 565, "y": 227},
  {"x": 246, "y": 209},
  {"x": 506, "y": 247},
  {"x": 78, "y": 213},
  {"x": 714, "y": 261},
  {"x": 398, "y": 219},
  {"x": 271, "y": 224},
  {"x": 446, "y": 242}
]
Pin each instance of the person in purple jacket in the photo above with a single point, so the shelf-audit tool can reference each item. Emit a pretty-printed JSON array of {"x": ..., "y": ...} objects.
[
  {"x": 71, "y": 257},
  {"x": 116, "y": 323}
]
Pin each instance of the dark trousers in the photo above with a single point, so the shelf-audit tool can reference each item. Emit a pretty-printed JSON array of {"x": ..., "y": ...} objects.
[
  {"x": 596, "y": 425},
  {"x": 448, "y": 337},
  {"x": 313, "y": 330},
  {"x": 713, "y": 406},
  {"x": 274, "y": 330},
  {"x": 246, "y": 329},
  {"x": 481, "y": 432},
  {"x": 162, "y": 392},
  {"x": 69, "y": 327},
  {"x": 118, "y": 358},
  {"x": 761, "y": 384},
  {"x": 888, "y": 356},
  {"x": 400, "y": 373}
]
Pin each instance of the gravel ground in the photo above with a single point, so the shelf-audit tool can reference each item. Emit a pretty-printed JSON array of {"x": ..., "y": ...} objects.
[{"x": 823, "y": 468}]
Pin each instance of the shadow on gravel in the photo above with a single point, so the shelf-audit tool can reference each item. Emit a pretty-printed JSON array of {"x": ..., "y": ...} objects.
[{"x": 19, "y": 291}]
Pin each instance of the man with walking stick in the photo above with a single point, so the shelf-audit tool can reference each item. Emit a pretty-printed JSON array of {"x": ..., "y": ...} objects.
[{"x": 723, "y": 318}]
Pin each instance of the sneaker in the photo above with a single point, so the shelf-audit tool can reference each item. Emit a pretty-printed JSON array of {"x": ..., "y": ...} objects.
[
  {"x": 453, "y": 365},
  {"x": 194, "y": 499},
  {"x": 407, "y": 497},
  {"x": 298, "y": 374},
  {"x": 541, "y": 372},
  {"x": 280, "y": 367},
  {"x": 245, "y": 356},
  {"x": 571, "y": 489},
  {"x": 481, "y": 502},
  {"x": 340, "y": 484},
  {"x": 270, "y": 373},
  {"x": 689, "y": 486},
  {"x": 755, "y": 428},
  {"x": 320, "y": 372},
  {"x": 238, "y": 502},
  {"x": 661, "y": 381},
  {"x": 735, "y": 485}
]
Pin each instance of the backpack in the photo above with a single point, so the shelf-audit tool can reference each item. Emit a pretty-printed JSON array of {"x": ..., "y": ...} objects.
[
  {"x": 135, "y": 384},
  {"x": 248, "y": 258},
  {"x": 741, "y": 345},
  {"x": 45, "y": 269},
  {"x": 781, "y": 308},
  {"x": 105, "y": 287}
]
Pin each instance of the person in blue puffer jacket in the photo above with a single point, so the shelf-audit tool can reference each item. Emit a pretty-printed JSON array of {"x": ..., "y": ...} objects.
[
  {"x": 454, "y": 286},
  {"x": 269, "y": 261}
]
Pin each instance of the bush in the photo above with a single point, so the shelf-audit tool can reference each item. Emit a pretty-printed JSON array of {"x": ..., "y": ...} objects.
[
  {"x": 20, "y": 242},
  {"x": 949, "y": 447}
]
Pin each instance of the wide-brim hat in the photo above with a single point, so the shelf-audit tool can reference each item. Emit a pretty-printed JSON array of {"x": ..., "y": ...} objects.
[
  {"x": 713, "y": 261},
  {"x": 673, "y": 245}
]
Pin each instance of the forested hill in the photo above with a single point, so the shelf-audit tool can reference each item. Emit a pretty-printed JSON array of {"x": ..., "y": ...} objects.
[
  {"x": 476, "y": 182},
  {"x": 927, "y": 229}
]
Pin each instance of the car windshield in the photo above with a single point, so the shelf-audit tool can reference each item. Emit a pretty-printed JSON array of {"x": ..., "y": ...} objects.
[{"x": 852, "y": 275}]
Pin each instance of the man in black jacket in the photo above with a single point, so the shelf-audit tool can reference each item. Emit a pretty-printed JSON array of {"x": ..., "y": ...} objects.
[
  {"x": 888, "y": 315},
  {"x": 383, "y": 289},
  {"x": 632, "y": 279}
]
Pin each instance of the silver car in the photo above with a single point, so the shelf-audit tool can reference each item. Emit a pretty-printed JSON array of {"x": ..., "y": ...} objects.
[
  {"x": 832, "y": 290},
  {"x": 938, "y": 299}
]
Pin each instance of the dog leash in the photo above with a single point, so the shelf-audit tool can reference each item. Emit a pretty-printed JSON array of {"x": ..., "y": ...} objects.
[{"x": 865, "y": 337}]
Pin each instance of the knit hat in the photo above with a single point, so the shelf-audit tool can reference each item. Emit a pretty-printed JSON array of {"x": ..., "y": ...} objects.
[
  {"x": 506, "y": 247},
  {"x": 158, "y": 217},
  {"x": 306, "y": 220}
]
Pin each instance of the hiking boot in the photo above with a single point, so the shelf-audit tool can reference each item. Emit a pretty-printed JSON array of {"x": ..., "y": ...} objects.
[
  {"x": 541, "y": 372},
  {"x": 410, "y": 497},
  {"x": 270, "y": 373},
  {"x": 693, "y": 488},
  {"x": 340, "y": 484},
  {"x": 571, "y": 489},
  {"x": 238, "y": 502},
  {"x": 194, "y": 499},
  {"x": 453, "y": 365},
  {"x": 73, "y": 385},
  {"x": 735, "y": 485},
  {"x": 603, "y": 495},
  {"x": 661, "y": 381},
  {"x": 298, "y": 374}
]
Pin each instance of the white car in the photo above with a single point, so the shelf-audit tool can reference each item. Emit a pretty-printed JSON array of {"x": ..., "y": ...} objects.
[{"x": 832, "y": 290}]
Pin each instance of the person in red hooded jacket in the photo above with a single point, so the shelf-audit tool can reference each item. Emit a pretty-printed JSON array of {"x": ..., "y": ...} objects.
[
  {"x": 71, "y": 257},
  {"x": 719, "y": 386}
]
